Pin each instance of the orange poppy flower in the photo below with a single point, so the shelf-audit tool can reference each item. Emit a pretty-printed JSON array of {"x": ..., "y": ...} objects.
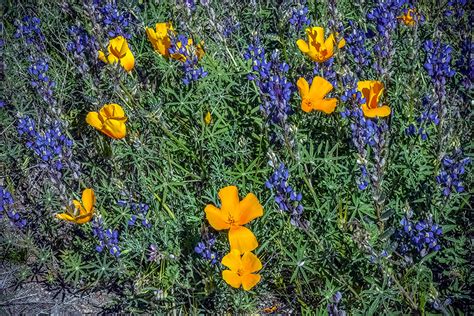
[
  {"x": 410, "y": 17},
  {"x": 118, "y": 52},
  {"x": 82, "y": 213},
  {"x": 232, "y": 215},
  {"x": 372, "y": 91},
  {"x": 110, "y": 120},
  {"x": 159, "y": 37},
  {"x": 241, "y": 269},
  {"x": 317, "y": 48},
  {"x": 313, "y": 98}
]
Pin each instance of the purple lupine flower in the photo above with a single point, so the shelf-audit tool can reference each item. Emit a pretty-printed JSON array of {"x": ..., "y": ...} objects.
[
  {"x": 455, "y": 8},
  {"x": 465, "y": 63},
  {"x": 52, "y": 146},
  {"x": 140, "y": 211},
  {"x": 356, "y": 47},
  {"x": 384, "y": 16},
  {"x": 418, "y": 238},
  {"x": 40, "y": 80},
  {"x": 107, "y": 238},
  {"x": 83, "y": 47},
  {"x": 452, "y": 168},
  {"x": 287, "y": 199},
  {"x": 299, "y": 17},
  {"x": 274, "y": 88},
  {"x": 6, "y": 208},
  {"x": 205, "y": 248},
  {"x": 28, "y": 28},
  {"x": 114, "y": 21}
]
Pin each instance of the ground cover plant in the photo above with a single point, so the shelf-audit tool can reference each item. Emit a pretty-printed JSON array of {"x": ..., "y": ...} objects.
[{"x": 236, "y": 156}]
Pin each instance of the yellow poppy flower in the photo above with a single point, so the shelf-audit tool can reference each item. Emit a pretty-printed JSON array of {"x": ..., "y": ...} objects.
[
  {"x": 82, "y": 213},
  {"x": 118, "y": 52},
  {"x": 208, "y": 118},
  {"x": 410, "y": 17},
  {"x": 199, "y": 50},
  {"x": 313, "y": 98},
  {"x": 232, "y": 215},
  {"x": 241, "y": 269},
  {"x": 110, "y": 120},
  {"x": 317, "y": 48},
  {"x": 372, "y": 91},
  {"x": 159, "y": 37}
]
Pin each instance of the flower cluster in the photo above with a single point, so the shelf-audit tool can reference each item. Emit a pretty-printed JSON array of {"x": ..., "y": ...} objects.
[
  {"x": 205, "y": 249},
  {"x": 465, "y": 63},
  {"x": 286, "y": 197},
  {"x": 51, "y": 145},
  {"x": 233, "y": 215},
  {"x": 113, "y": 21},
  {"x": 418, "y": 238},
  {"x": 452, "y": 168},
  {"x": 384, "y": 16},
  {"x": 182, "y": 45},
  {"x": 438, "y": 60},
  {"x": 140, "y": 211},
  {"x": 275, "y": 90},
  {"x": 455, "y": 8},
  {"x": 356, "y": 47},
  {"x": 107, "y": 238},
  {"x": 29, "y": 29},
  {"x": 6, "y": 208},
  {"x": 84, "y": 48},
  {"x": 299, "y": 17},
  {"x": 428, "y": 115},
  {"x": 40, "y": 81},
  {"x": 229, "y": 26}
]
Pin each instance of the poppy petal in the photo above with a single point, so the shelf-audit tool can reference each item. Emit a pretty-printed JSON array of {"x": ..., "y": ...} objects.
[
  {"x": 319, "y": 88},
  {"x": 249, "y": 209},
  {"x": 303, "y": 46},
  {"x": 242, "y": 239},
  {"x": 114, "y": 128},
  {"x": 327, "y": 105},
  {"x": 232, "y": 260},
  {"x": 128, "y": 61},
  {"x": 216, "y": 218},
  {"x": 250, "y": 280},
  {"x": 251, "y": 263},
  {"x": 303, "y": 87},
  {"x": 65, "y": 217},
  {"x": 88, "y": 199},
  {"x": 94, "y": 120},
  {"x": 229, "y": 197},
  {"x": 382, "y": 111},
  {"x": 232, "y": 278},
  {"x": 112, "y": 111}
]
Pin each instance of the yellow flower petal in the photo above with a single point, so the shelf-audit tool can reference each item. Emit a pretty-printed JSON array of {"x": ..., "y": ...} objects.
[
  {"x": 114, "y": 128},
  {"x": 303, "y": 46},
  {"x": 112, "y": 111},
  {"x": 319, "y": 88},
  {"x": 94, "y": 120},
  {"x": 242, "y": 239},
  {"x": 249, "y": 281},
  {"x": 232, "y": 278},
  {"x": 232, "y": 260},
  {"x": 229, "y": 197},
  {"x": 65, "y": 216},
  {"x": 128, "y": 61},
  {"x": 249, "y": 209},
  {"x": 303, "y": 87},
  {"x": 381, "y": 111},
  {"x": 250, "y": 263},
  {"x": 88, "y": 199},
  {"x": 216, "y": 218},
  {"x": 327, "y": 105},
  {"x": 102, "y": 57}
]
